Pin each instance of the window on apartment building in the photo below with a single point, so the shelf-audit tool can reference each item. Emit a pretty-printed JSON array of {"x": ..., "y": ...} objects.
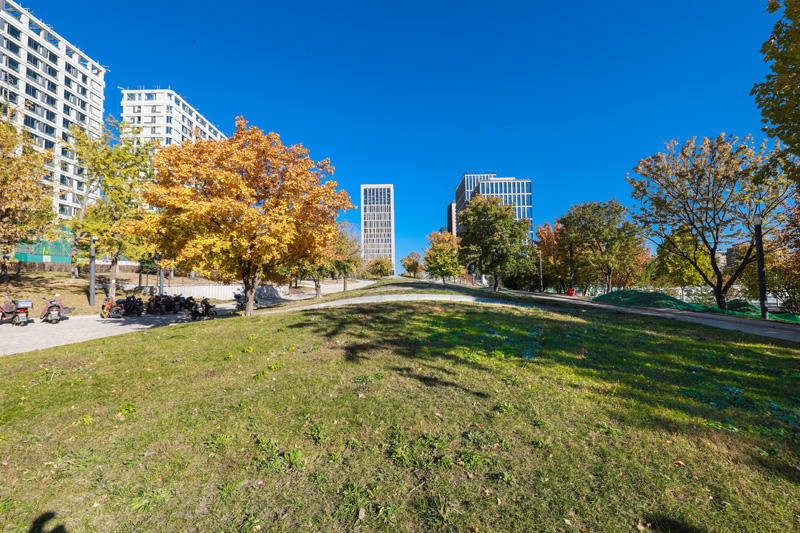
[
  {"x": 65, "y": 137},
  {"x": 149, "y": 120},
  {"x": 169, "y": 109},
  {"x": 51, "y": 71},
  {"x": 52, "y": 57},
  {"x": 13, "y": 64},
  {"x": 30, "y": 90},
  {"x": 156, "y": 109},
  {"x": 168, "y": 141},
  {"x": 169, "y": 120},
  {"x": 82, "y": 90},
  {"x": 130, "y": 97},
  {"x": 33, "y": 60},
  {"x": 79, "y": 185},
  {"x": 82, "y": 117},
  {"x": 12, "y": 47},
  {"x": 31, "y": 122},
  {"x": 48, "y": 130},
  {"x": 169, "y": 130},
  {"x": 51, "y": 87},
  {"x": 154, "y": 131},
  {"x": 150, "y": 96},
  {"x": 64, "y": 180},
  {"x": 49, "y": 100},
  {"x": 49, "y": 145},
  {"x": 14, "y": 32},
  {"x": 34, "y": 45},
  {"x": 64, "y": 166}
]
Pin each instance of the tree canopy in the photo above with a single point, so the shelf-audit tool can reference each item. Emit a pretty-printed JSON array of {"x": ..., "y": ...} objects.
[
  {"x": 602, "y": 235},
  {"x": 778, "y": 96},
  {"x": 380, "y": 267},
  {"x": 242, "y": 208},
  {"x": 26, "y": 203},
  {"x": 492, "y": 240},
  {"x": 441, "y": 256},
  {"x": 411, "y": 263},
  {"x": 119, "y": 167},
  {"x": 712, "y": 190}
]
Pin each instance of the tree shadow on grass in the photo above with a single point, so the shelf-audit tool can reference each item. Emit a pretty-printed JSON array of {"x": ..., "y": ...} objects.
[
  {"x": 726, "y": 379},
  {"x": 660, "y": 523},
  {"x": 41, "y": 521}
]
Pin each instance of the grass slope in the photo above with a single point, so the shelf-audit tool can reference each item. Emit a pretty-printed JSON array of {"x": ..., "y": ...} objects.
[{"x": 406, "y": 417}]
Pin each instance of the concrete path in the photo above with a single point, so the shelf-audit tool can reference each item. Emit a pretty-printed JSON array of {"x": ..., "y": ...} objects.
[
  {"x": 772, "y": 328},
  {"x": 39, "y": 335}
]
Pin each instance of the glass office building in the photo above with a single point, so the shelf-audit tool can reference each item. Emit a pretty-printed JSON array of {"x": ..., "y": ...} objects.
[
  {"x": 511, "y": 191},
  {"x": 377, "y": 223}
]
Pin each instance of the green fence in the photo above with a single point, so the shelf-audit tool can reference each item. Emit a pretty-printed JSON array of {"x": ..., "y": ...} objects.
[{"x": 43, "y": 251}]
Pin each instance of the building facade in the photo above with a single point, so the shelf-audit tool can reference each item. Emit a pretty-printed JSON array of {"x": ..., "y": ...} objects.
[
  {"x": 377, "y": 223},
  {"x": 164, "y": 116},
  {"x": 451, "y": 217},
  {"x": 467, "y": 185},
  {"x": 52, "y": 85},
  {"x": 511, "y": 191}
]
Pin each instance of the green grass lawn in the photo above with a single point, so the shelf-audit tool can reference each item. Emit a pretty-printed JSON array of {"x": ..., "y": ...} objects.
[{"x": 406, "y": 417}]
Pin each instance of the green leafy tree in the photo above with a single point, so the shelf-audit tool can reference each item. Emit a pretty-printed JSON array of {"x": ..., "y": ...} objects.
[
  {"x": 492, "y": 240},
  {"x": 778, "y": 96},
  {"x": 380, "y": 267},
  {"x": 671, "y": 268},
  {"x": 26, "y": 205},
  {"x": 123, "y": 167},
  {"x": 712, "y": 190},
  {"x": 412, "y": 264},
  {"x": 525, "y": 273},
  {"x": 347, "y": 254},
  {"x": 441, "y": 256},
  {"x": 603, "y": 235}
]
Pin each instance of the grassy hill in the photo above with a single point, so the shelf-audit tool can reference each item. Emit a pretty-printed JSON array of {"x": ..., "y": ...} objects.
[{"x": 405, "y": 417}]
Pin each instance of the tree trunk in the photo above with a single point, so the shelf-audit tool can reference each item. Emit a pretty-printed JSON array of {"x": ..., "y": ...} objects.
[
  {"x": 571, "y": 268},
  {"x": 720, "y": 296},
  {"x": 140, "y": 277},
  {"x": 112, "y": 285},
  {"x": 317, "y": 288},
  {"x": 251, "y": 283},
  {"x": 608, "y": 280},
  {"x": 344, "y": 289},
  {"x": 496, "y": 283},
  {"x": 4, "y": 270}
]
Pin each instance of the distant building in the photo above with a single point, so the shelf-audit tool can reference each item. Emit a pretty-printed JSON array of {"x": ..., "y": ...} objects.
[
  {"x": 511, "y": 191},
  {"x": 722, "y": 259},
  {"x": 451, "y": 218},
  {"x": 53, "y": 85},
  {"x": 377, "y": 223},
  {"x": 164, "y": 116}
]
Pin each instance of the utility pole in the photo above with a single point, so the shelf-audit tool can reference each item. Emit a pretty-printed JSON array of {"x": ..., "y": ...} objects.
[
  {"x": 762, "y": 275},
  {"x": 541, "y": 279}
]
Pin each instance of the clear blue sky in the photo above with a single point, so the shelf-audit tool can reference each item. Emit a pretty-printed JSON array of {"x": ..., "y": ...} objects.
[{"x": 414, "y": 93}]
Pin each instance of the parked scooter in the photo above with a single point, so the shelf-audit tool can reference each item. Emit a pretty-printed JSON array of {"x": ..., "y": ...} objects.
[
  {"x": 160, "y": 303},
  {"x": 111, "y": 309},
  {"x": 257, "y": 304},
  {"x": 202, "y": 309},
  {"x": 16, "y": 311},
  {"x": 54, "y": 310}
]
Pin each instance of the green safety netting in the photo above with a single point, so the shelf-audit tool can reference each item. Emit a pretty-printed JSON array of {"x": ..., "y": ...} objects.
[{"x": 657, "y": 299}]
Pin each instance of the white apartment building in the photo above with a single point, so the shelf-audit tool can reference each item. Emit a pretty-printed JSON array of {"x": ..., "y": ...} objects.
[
  {"x": 377, "y": 223},
  {"x": 165, "y": 116},
  {"x": 52, "y": 85}
]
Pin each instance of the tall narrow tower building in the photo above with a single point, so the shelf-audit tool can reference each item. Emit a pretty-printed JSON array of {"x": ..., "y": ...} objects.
[{"x": 377, "y": 223}]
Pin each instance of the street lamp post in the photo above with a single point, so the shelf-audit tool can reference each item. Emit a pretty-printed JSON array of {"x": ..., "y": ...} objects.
[
  {"x": 91, "y": 271},
  {"x": 762, "y": 275},
  {"x": 541, "y": 280}
]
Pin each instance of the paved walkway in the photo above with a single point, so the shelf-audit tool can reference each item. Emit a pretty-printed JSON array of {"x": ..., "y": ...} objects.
[
  {"x": 772, "y": 328},
  {"x": 40, "y": 335}
]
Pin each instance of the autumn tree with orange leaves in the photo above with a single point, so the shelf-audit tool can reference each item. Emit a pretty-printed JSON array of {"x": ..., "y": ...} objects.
[
  {"x": 26, "y": 205},
  {"x": 242, "y": 208}
]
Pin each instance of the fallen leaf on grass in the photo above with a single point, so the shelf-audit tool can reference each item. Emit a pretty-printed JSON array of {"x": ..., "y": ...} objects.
[
  {"x": 439, "y": 415},
  {"x": 678, "y": 463},
  {"x": 470, "y": 475},
  {"x": 361, "y": 396}
]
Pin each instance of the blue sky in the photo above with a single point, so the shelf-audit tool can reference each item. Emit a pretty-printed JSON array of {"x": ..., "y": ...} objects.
[{"x": 568, "y": 94}]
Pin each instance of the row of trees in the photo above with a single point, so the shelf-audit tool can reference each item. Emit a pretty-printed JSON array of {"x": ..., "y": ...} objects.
[{"x": 247, "y": 208}]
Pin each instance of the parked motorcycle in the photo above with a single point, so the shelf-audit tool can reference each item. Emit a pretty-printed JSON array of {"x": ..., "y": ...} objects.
[
  {"x": 111, "y": 309},
  {"x": 257, "y": 304},
  {"x": 158, "y": 304},
  {"x": 202, "y": 309},
  {"x": 131, "y": 306},
  {"x": 54, "y": 310},
  {"x": 16, "y": 311}
]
